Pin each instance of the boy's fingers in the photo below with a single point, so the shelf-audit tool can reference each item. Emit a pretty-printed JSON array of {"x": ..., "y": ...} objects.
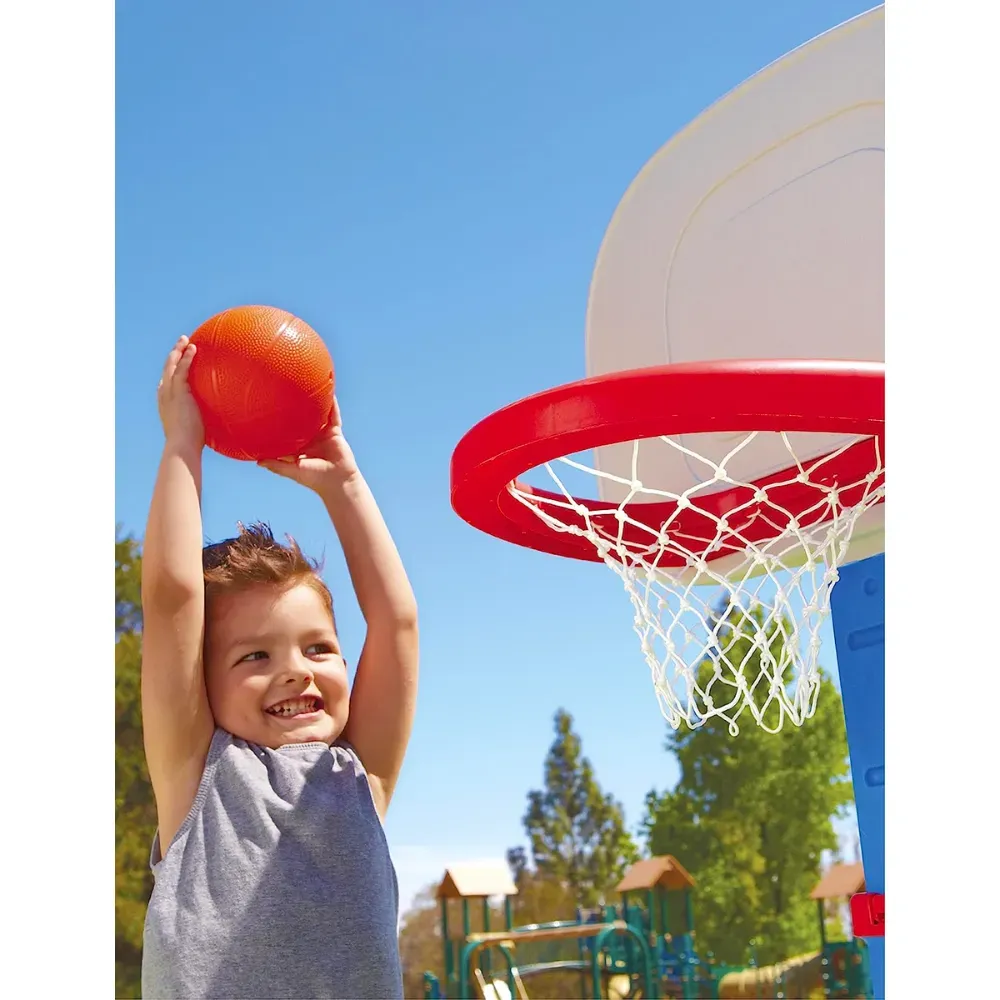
[
  {"x": 170, "y": 365},
  {"x": 184, "y": 363},
  {"x": 168, "y": 370}
]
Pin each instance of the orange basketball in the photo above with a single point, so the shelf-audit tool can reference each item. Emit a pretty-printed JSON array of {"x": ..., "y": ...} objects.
[{"x": 263, "y": 381}]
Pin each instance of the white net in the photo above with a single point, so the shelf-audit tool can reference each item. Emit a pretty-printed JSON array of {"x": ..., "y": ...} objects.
[{"x": 740, "y": 633}]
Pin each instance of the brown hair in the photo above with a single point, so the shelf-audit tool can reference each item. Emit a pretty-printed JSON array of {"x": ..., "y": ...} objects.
[{"x": 254, "y": 557}]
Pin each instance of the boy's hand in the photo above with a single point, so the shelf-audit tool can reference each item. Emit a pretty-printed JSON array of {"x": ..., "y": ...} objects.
[
  {"x": 179, "y": 412},
  {"x": 325, "y": 462}
]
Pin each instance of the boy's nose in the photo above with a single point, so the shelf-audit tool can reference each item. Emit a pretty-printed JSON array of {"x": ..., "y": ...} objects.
[{"x": 297, "y": 667}]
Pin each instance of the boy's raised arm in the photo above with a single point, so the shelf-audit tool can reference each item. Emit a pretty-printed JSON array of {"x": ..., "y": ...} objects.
[
  {"x": 177, "y": 721},
  {"x": 383, "y": 699}
]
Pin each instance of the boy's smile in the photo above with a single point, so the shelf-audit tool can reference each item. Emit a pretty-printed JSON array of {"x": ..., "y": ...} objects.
[{"x": 305, "y": 706}]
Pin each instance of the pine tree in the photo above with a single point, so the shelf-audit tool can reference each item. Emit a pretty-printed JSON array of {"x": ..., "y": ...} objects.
[{"x": 576, "y": 833}]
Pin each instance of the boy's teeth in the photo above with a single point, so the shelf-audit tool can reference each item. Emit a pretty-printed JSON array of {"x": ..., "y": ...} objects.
[{"x": 294, "y": 707}]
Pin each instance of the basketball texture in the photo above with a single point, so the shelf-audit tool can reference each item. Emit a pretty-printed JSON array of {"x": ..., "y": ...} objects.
[{"x": 263, "y": 381}]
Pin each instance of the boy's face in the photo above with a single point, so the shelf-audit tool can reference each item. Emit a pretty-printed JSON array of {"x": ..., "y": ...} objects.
[{"x": 273, "y": 667}]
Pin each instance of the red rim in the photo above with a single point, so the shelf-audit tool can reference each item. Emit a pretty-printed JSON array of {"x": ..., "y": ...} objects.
[{"x": 609, "y": 409}]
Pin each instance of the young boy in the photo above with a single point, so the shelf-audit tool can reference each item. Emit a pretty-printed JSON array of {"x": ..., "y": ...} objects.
[{"x": 271, "y": 776}]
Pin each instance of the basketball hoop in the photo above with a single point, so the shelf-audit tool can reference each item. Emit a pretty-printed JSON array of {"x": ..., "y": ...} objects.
[{"x": 772, "y": 545}]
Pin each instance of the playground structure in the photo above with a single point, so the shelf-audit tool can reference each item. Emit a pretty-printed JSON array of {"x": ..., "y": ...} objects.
[
  {"x": 644, "y": 946},
  {"x": 471, "y": 966}
]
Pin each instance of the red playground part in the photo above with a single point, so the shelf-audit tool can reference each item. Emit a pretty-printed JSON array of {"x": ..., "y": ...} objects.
[{"x": 868, "y": 914}]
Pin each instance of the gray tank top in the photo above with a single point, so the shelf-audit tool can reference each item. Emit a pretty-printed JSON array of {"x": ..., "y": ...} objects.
[{"x": 278, "y": 885}]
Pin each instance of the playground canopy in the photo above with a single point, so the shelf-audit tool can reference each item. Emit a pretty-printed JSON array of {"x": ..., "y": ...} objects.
[
  {"x": 840, "y": 882},
  {"x": 664, "y": 872},
  {"x": 477, "y": 880}
]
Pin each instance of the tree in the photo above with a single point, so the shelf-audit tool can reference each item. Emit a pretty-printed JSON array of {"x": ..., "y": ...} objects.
[
  {"x": 135, "y": 811},
  {"x": 751, "y": 815},
  {"x": 576, "y": 833},
  {"x": 128, "y": 572}
]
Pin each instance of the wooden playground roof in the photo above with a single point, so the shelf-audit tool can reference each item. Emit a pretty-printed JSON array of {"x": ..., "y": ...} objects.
[
  {"x": 476, "y": 881},
  {"x": 664, "y": 871},
  {"x": 840, "y": 881}
]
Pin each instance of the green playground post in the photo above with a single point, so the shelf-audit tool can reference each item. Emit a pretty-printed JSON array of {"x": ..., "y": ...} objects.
[
  {"x": 508, "y": 913},
  {"x": 629, "y": 957},
  {"x": 689, "y": 911},
  {"x": 487, "y": 961},
  {"x": 449, "y": 961},
  {"x": 466, "y": 923}
]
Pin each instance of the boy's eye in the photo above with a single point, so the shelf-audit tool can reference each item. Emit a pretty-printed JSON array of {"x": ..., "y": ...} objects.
[
  {"x": 258, "y": 655},
  {"x": 319, "y": 649}
]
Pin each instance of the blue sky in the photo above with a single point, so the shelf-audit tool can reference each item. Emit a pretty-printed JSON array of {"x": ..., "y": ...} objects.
[{"x": 427, "y": 185}]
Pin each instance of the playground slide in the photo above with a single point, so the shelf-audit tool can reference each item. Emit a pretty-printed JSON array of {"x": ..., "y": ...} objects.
[
  {"x": 495, "y": 990},
  {"x": 801, "y": 974},
  {"x": 498, "y": 989}
]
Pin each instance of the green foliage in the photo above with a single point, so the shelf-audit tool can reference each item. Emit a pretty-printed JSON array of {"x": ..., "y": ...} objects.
[
  {"x": 749, "y": 818},
  {"x": 135, "y": 812},
  {"x": 128, "y": 571},
  {"x": 577, "y": 833}
]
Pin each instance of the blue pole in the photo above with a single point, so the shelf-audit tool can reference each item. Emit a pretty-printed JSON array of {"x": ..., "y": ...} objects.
[{"x": 858, "y": 616}]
